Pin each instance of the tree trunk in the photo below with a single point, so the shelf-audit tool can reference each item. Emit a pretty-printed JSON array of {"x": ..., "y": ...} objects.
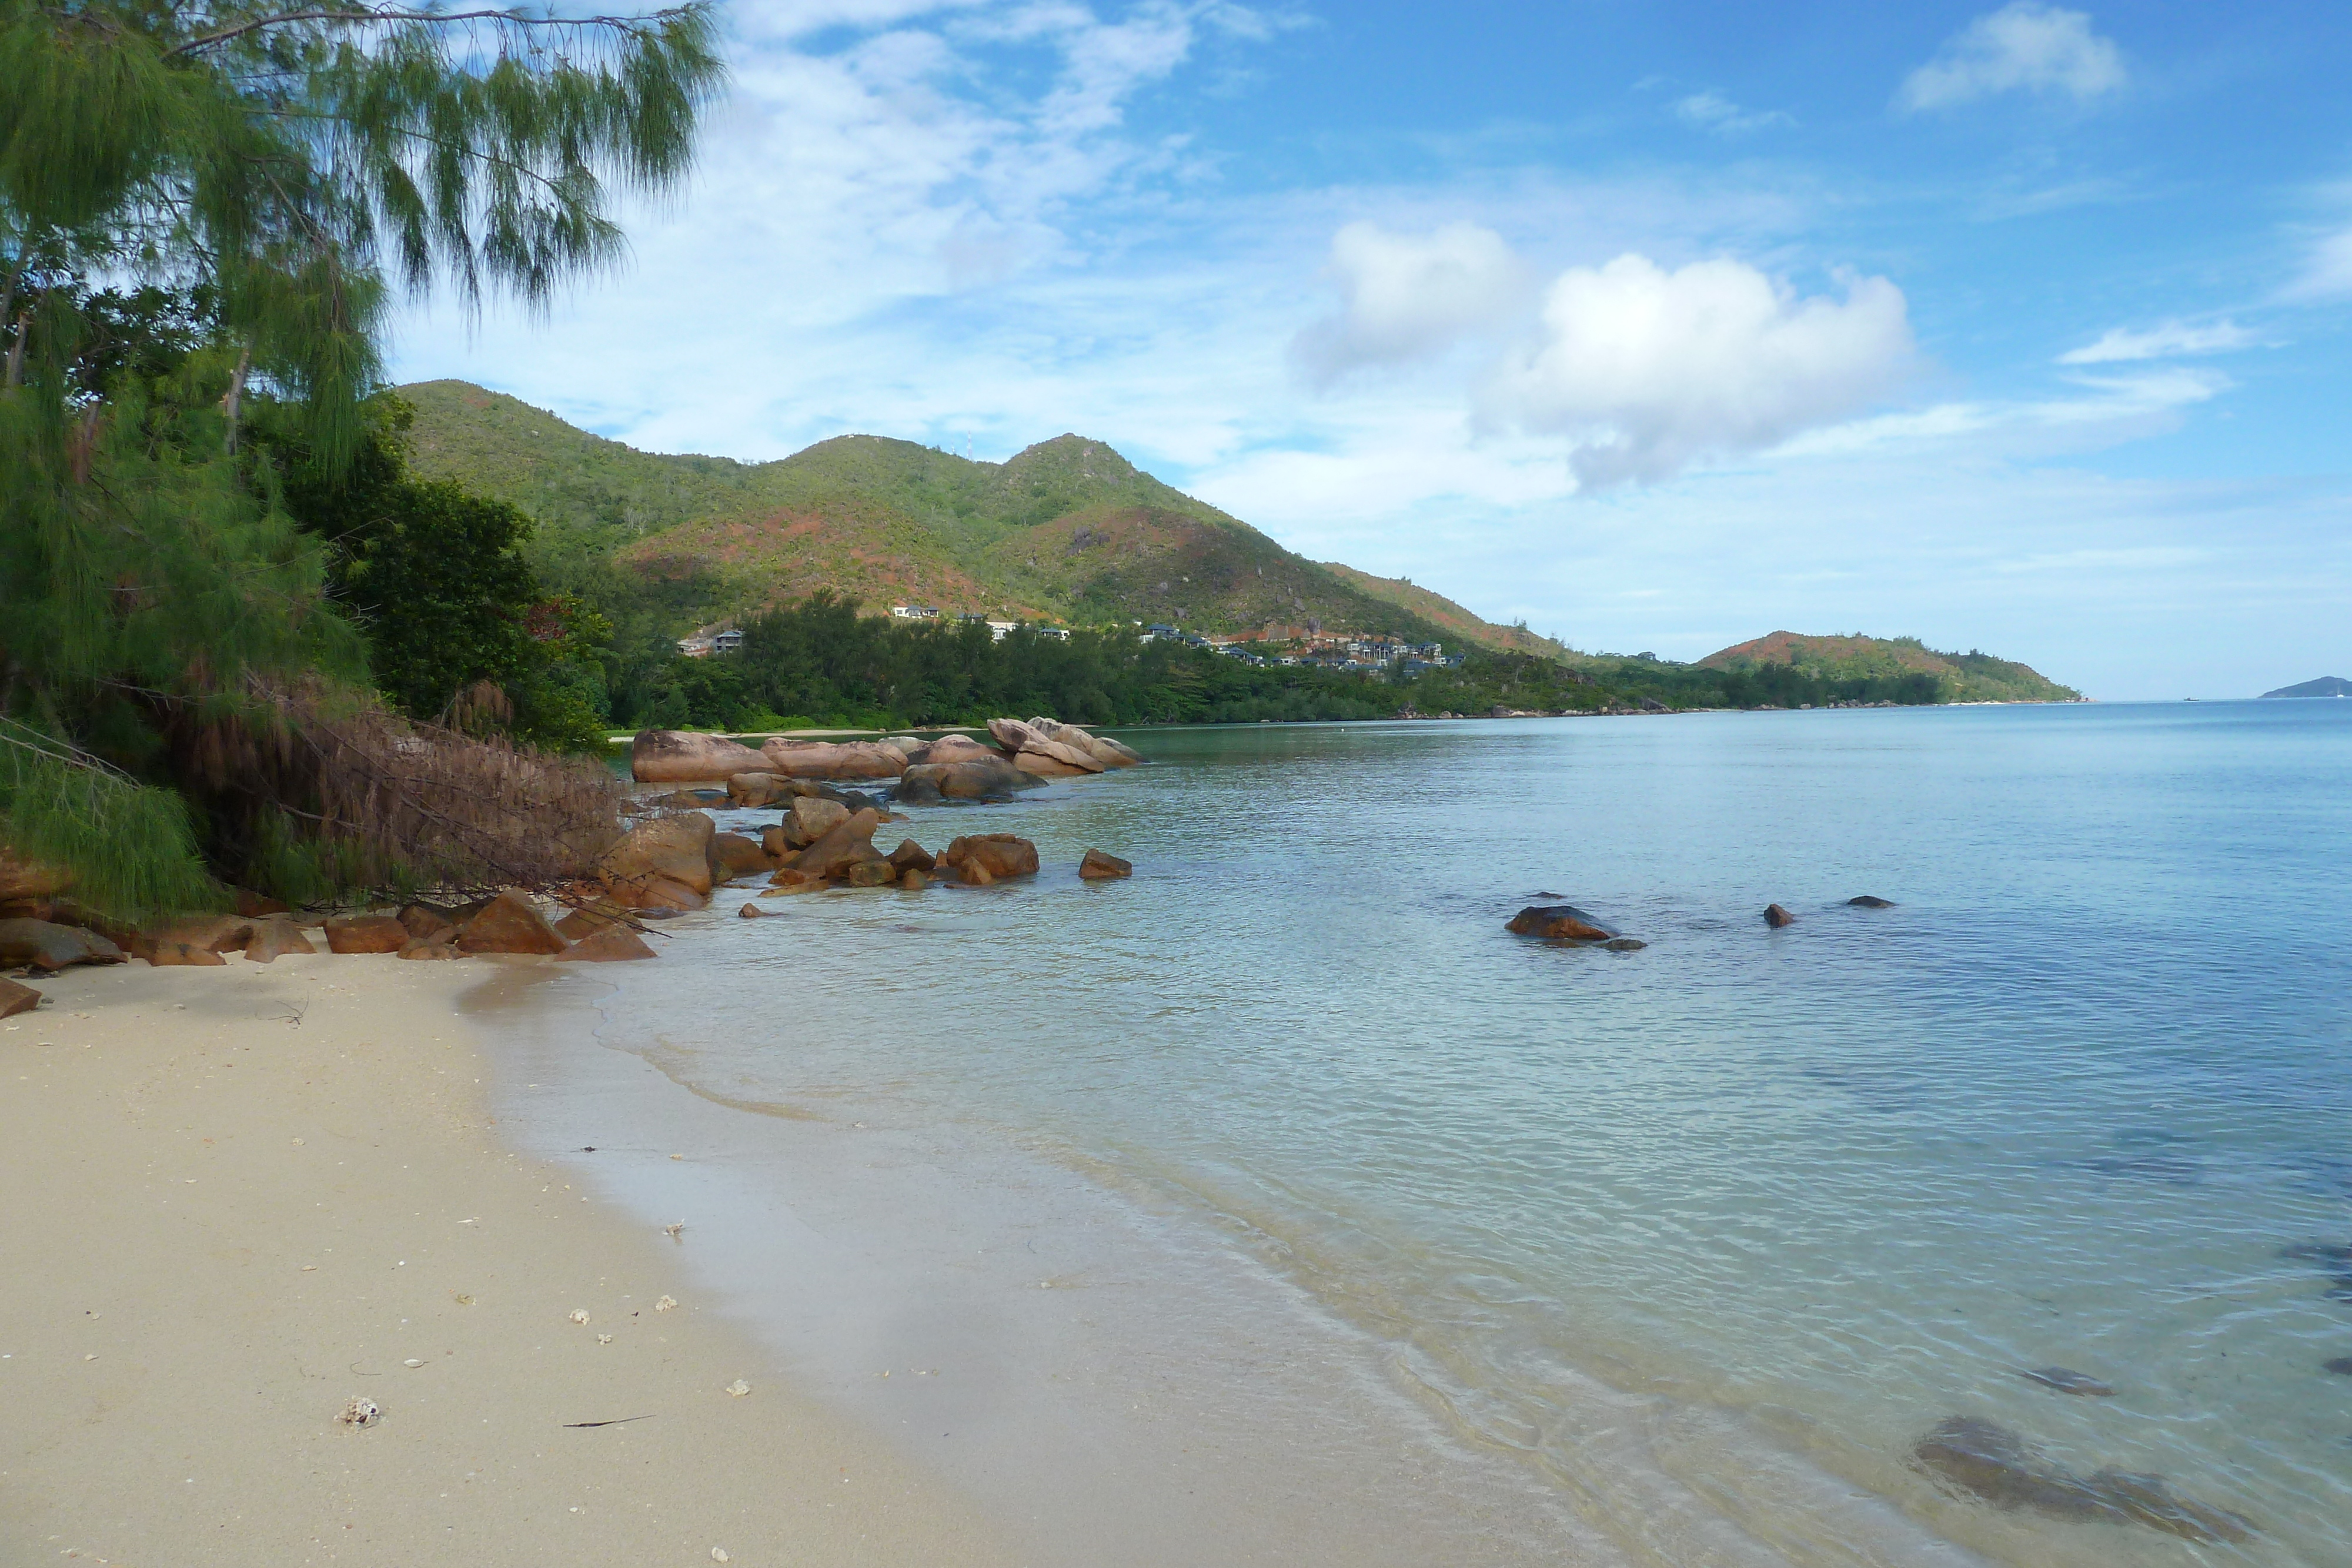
[{"x": 237, "y": 392}]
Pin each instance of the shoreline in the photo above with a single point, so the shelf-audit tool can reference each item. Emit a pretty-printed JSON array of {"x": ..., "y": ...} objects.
[{"x": 241, "y": 1196}]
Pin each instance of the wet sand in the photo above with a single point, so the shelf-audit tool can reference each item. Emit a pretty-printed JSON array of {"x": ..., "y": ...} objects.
[{"x": 238, "y": 1198}]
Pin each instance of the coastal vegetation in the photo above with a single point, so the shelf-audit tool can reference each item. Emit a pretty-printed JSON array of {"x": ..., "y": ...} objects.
[{"x": 206, "y": 643}]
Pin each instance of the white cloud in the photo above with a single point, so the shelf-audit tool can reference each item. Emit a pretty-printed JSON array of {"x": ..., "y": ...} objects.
[
  {"x": 1405, "y": 298},
  {"x": 2022, "y": 46},
  {"x": 2326, "y": 272},
  {"x": 1647, "y": 371},
  {"x": 2166, "y": 340},
  {"x": 1713, "y": 111}
]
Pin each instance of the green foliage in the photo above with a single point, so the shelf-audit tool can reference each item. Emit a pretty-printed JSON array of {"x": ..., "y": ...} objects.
[{"x": 131, "y": 846}]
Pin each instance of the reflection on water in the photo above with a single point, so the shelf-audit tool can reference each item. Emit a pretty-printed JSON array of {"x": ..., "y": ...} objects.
[{"x": 2079, "y": 1099}]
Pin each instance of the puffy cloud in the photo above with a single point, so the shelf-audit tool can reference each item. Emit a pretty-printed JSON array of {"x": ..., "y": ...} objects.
[
  {"x": 1406, "y": 297},
  {"x": 1648, "y": 370},
  {"x": 2021, "y": 47},
  {"x": 1713, "y": 111},
  {"x": 2166, "y": 340}
]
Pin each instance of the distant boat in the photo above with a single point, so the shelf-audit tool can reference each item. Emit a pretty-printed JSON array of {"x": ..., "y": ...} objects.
[{"x": 2325, "y": 686}]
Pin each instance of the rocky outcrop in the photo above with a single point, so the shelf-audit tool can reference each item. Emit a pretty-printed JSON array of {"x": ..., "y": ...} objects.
[
  {"x": 367, "y": 934},
  {"x": 508, "y": 924},
  {"x": 23, "y": 880},
  {"x": 732, "y": 855},
  {"x": 760, "y": 788},
  {"x": 1105, "y": 751},
  {"x": 1097, "y": 867},
  {"x": 996, "y": 855},
  {"x": 609, "y": 945},
  {"x": 809, "y": 819},
  {"x": 956, "y": 748},
  {"x": 274, "y": 938},
  {"x": 1776, "y": 917},
  {"x": 16, "y": 999},
  {"x": 1561, "y": 922},
  {"x": 823, "y": 759},
  {"x": 677, "y": 756},
  {"x": 675, "y": 851},
  {"x": 46, "y": 945},
  {"x": 849, "y": 839},
  {"x": 982, "y": 776}
]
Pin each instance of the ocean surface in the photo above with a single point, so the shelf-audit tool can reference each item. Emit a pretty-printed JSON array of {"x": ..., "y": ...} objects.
[{"x": 1670, "y": 1256}]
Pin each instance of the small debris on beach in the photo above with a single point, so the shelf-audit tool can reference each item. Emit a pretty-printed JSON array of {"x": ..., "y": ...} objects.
[
  {"x": 412, "y": 1361},
  {"x": 359, "y": 1412},
  {"x": 665, "y": 1304},
  {"x": 674, "y": 1231},
  {"x": 579, "y": 1314},
  {"x": 462, "y": 1299},
  {"x": 2067, "y": 1380},
  {"x": 738, "y": 1389},
  {"x": 603, "y": 1339},
  {"x": 719, "y": 1554}
]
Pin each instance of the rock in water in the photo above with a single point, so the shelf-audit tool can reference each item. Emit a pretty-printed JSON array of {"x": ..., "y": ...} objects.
[
  {"x": 1989, "y": 1461},
  {"x": 976, "y": 775},
  {"x": 366, "y": 934},
  {"x": 2067, "y": 1380},
  {"x": 755, "y": 789},
  {"x": 508, "y": 924},
  {"x": 733, "y": 854},
  {"x": 999, "y": 855},
  {"x": 274, "y": 938},
  {"x": 674, "y": 757},
  {"x": 2150, "y": 1501},
  {"x": 676, "y": 849},
  {"x": 875, "y": 872},
  {"x": 1776, "y": 917},
  {"x": 1625, "y": 945},
  {"x": 613, "y": 944},
  {"x": 750, "y": 911},
  {"x": 1561, "y": 922},
  {"x": 822, "y": 759},
  {"x": 808, "y": 819},
  {"x": 850, "y": 839},
  {"x": 912, "y": 856},
  {"x": 2341, "y": 1367},
  {"x": 1867, "y": 902},
  {"x": 1097, "y": 867},
  {"x": 45, "y": 945}
]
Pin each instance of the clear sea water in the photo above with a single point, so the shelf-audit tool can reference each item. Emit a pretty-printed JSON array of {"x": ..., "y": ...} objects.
[{"x": 1778, "y": 1198}]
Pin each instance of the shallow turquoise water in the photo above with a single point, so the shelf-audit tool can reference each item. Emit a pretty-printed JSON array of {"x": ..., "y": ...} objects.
[{"x": 2068, "y": 1103}]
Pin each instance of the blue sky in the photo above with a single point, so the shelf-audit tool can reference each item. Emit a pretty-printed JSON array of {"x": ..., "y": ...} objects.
[{"x": 1658, "y": 325}]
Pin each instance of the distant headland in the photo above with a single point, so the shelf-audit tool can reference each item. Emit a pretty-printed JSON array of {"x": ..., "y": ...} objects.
[{"x": 2325, "y": 687}]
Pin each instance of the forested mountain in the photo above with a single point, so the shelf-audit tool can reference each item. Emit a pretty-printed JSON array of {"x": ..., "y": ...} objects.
[{"x": 1963, "y": 677}]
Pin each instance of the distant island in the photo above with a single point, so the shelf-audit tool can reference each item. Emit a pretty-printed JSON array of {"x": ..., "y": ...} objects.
[{"x": 2325, "y": 687}]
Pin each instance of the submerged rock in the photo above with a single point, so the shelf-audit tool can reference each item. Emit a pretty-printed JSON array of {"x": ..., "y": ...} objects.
[
  {"x": 1776, "y": 917},
  {"x": 1988, "y": 1461},
  {"x": 2341, "y": 1367},
  {"x": 1561, "y": 922},
  {"x": 613, "y": 943},
  {"x": 1625, "y": 945},
  {"x": 1097, "y": 867},
  {"x": 1867, "y": 902},
  {"x": 2067, "y": 1380}
]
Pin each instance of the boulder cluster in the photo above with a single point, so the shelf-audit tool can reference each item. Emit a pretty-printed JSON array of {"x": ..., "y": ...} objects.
[{"x": 1017, "y": 753}]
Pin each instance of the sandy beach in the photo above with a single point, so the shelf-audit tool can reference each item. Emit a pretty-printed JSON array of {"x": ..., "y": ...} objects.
[{"x": 239, "y": 1197}]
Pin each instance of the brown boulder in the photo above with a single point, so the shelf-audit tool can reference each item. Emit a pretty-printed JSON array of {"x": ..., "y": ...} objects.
[
  {"x": 1038, "y": 764},
  {"x": 16, "y": 999},
  {"x": 957, "y": 748},
  {"x": 429, "y": 921},
  {"x": 25, "y": 879},
  {"x": 422, "y": 949},
  {"x": 508, "y": 924},
  {"x": 366, "y": 934},
  {"x": 213, "y": 932},
  {"x": 591, "y": 917},
  {"x": 809, "y": 817},
  {"x": 254, "y": 905},
  {"x": 1561, "y": 922},
  {"x": 182, "y": 955},
  {"x": 678, "y": 847},
  {"x": 675, "y": 756},
  {"x": 754, "y": 789},
  {"x": 1009, "y": 733},
  {"x": 735, "y": 855},
  {"x": 1776, "y": 917},
  {"x": 999, "y": 855},
  {"x": 1868, "y": 901},
  {"x": 45, "y": 945},
  {"x": 849, "y": 839},
  {"x": 274, "y": 938},
  {"x": 748, "y": 909},
  {"x": 1097, "y": 866},
  {"x": 912, "y": 856},
  {"x": 984, "y": 776},
  {"x": 874, "y": 872},
  {"x": 823, "y": 759},
  {"x": 913, "y": 880},
  {"x": 613, "y": 944}
]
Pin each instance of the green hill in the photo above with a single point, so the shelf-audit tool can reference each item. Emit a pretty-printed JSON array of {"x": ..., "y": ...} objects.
[
  {"x": 1067, "y": 530},
  {"x": 2325, "y": 687},
  {"x": 1967, "y": 677}
]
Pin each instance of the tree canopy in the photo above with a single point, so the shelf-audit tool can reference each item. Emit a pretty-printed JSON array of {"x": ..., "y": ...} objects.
[{"x": 204, "y": 208}]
